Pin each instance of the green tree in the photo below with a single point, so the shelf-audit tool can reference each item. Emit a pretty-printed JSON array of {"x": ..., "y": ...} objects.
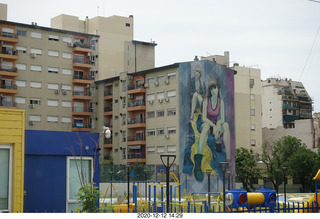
[
  {"x": 246, "y": 167},
  {"x": 288, "y": 152},
  {"x": 88, "y": 195}
]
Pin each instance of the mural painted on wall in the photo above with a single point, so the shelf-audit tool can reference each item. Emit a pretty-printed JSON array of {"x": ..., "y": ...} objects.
[{"x": 206, "y": 121}]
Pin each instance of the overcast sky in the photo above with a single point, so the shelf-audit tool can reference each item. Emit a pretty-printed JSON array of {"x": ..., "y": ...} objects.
[{"x": 280, "y": 37}]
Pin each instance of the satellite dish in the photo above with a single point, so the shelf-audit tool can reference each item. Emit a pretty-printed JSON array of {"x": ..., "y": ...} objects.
[{"x": 107, "y": 132}]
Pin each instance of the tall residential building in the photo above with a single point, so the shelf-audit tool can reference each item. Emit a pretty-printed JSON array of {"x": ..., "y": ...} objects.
[
  {"x": 247, "y": 103},
  {"x": 284, "y": 101},
  {"x": 117, "y": 47}
]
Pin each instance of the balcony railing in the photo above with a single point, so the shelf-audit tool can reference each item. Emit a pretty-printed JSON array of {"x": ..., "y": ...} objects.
[
  {"x": 136, "y": 138},
  {"x": 8, "y": 86},
  {"x": 9, "y": 52},
  {"x": 82, "y": 61},
  {"x": 135, "y": 121},
  {"x": 8, "y": 103},
  {"x": 107, "y": 93},
  {"x": 133, "y": 86},
  {"x": 82, "y": 93},
  {"x": 107, "y": 141},
  {"x": 81, "y": 125},
  {"x": 81, "y": 109},
  {"x": 108, "y": 125},
  {"x": 82, "y": 45},
  {"x": 81, "y": 77},
  {"x": 137, "y": 103},
  {"x": 9, "y": 69},
  {"x": 107, "y": 108},
  {"x": 8, "y": 35},
  {"x": 136, "y": 156}
]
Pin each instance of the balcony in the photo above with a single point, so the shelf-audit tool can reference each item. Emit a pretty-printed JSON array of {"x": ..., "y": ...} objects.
[
  {"x": 8, "y": 88},
  {"x": 136, "y": 140},
  {"x": 9, "y": 54},
  {"x": 136, "y": 123},
  {"x": 108, "y": 95},
  {"x": 8, "y": 104},
  {"x": 81, "y": 127},
  {"x": 137, "y": 105},
  {"x": 107, "y": 143},
  {"x": 81, "y": 63},
  {"x": 81, "y": 111},
  {"x": 82, "y": 95},
  {"x": 81, "y": 47},
  {"x": 138, "y": 156},
  {"x": 80, "y": 79},
  {"x": 133, "y": 89},
  {"x": 8, "y": 37},
  {"x": 107, "y": 111},
  {"x": 12, "y": 72}
]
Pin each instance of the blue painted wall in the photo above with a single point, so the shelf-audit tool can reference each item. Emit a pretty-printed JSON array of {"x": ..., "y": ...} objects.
[{"x": 46, "y": 155}]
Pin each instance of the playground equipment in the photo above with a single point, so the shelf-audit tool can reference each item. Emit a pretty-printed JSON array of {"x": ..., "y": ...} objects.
[{"x": 236, "y": 198}]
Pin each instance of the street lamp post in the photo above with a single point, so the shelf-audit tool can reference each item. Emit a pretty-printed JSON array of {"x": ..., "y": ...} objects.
[
  {"x": 167, "y": 164},
  {"x": 229, "y": 174},
  {"x": 208, "y": 171},
  {"x": 284, "y": 169},
  {"x": 223, "y": 166},
  {"x": 128, "y": 189}
]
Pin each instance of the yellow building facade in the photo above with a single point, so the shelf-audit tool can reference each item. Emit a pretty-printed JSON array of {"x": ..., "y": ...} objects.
[{"x": 12, "y": 136}]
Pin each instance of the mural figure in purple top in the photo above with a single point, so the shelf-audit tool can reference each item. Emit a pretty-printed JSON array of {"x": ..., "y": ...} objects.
[{"x": 213, "y": 118}]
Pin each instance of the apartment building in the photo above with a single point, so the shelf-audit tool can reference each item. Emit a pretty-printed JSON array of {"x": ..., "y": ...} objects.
[
  {"x": 117, "y": 47},
  {"x": 284, "y": 101},
  {"x": 247, "y": 103}
]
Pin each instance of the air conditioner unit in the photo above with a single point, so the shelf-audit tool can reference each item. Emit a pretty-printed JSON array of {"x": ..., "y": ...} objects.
[
  {"x": 156, "y": 83},
  {"x": 167, "y": 81},
  {"x": 70, "y": 44},
  {"x": 160, "y": 100},
  {"x": 64, "y": 92},
  {"x": 33, "y": 55},
  {"x": 31, "y": 122},
  {"x": 146, "y": 85},
  {"x": 167, "y": 99},
  {"x": 56, "y": 91},
  {"x": 31, "y": 106},
  {"x": 151, "y": 101},
  {"x": 166, "y": 136},
  {"x": 89, "y": 54}
]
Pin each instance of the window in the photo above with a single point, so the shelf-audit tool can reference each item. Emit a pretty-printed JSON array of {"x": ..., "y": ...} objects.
[
  {"x": 151, "y": 132},
  {"x": 160, "y": 149},
  {"x": 171, "y": 76},
  {"x": 7, "y": 65},
  {"x": 160, "y": 113},
  {"x": 21, "y": 32},
  {"x": 251, "y": 82},
  {"x": 20, "y": 83},
  {"x": 65, "y": 103},
  {"x": 53, "y": 37},
  {"x": 171, "y": 93},
  {"x": 252, "y": 112},
  {"x": 53, "y": 70},
  {"x": 160, "y": 78},
  {"x": 151, "y": 150},
  {"x": 150, "y": 114},
  {"x": 73, "y": 181},
  {"x": 171, "y": 112},
  {"x": 21, "y": 66},
  {"x": 36, "y": 51},
  {"x": 21, "y": 100},
  {"x": 172, "y": 130},
  {"x": 252, "y": 97},
  {"x": 67, "y": 39},
  {"x": 34, "y": 84},
  {"x": 53, "y": 102},
  {"x": 150, "y": 97},
  {"x": 6, "y": 154},
  {"x": 35, "y": 118},
  {"x": 66, "y": 55},
  {"x": 65, "y": 119},
  {"x": 253, "y": 127},
  {"x": 8, "y": 32},
  {"x": 124, "y": 136},
  {"x": 77, "y": 74},
  {"x": 78, "y": 107},
  {"x": 160, "y": 95},
  {"x": 253, "y": 142},
  {"x": 150, "y": 80},
  {"x": 21, "y": 49},
  {"x": 52, "y": 118},
  {"x": 35, "y": 101},
  {"x": 66, "y": 87},
  {"x": 66, "y": 71},
  {"x": 160, "y": 131},
  {"x": 36, "y": 35},
  {"x": 53, "y": 86},
  {"x": 37, "y": 68},
  {"x": 53, "y": 53},
  {"x": 172, "y": 148}
]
